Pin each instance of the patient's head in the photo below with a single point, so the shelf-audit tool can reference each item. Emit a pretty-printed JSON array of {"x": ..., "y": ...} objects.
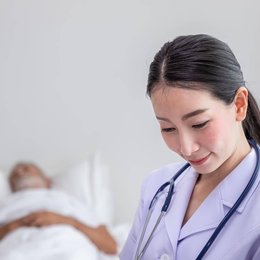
[{"x": 27, "y": 176}]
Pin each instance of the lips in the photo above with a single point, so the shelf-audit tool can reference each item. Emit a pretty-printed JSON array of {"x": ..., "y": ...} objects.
[{"x": 199, "y": 161}]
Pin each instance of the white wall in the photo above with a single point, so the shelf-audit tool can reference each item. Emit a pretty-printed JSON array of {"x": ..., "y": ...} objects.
[{"x": 73, "y": 76}]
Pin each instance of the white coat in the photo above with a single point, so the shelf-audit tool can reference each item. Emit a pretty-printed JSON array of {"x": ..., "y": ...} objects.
[{"x": 239, "y": 239}]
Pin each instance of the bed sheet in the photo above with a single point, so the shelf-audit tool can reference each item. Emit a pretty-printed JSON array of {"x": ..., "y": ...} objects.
[{"x": 52, "y": 242}]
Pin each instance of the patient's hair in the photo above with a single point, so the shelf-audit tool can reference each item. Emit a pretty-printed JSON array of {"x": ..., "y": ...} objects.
[{"x": 203, "y": 62}]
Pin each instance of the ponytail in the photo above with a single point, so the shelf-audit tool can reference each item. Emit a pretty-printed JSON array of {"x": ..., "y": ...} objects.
[{"x": 251, "y": 124}]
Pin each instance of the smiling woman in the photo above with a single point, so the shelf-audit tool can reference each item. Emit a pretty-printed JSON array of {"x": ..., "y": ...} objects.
[
  {"x": 193, "y": 125},
  {"x": 207, "y": 116}
]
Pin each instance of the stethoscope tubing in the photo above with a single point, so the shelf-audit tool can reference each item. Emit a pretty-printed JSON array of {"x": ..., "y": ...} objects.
[
  {"x": 167, "y": 202},
  {"x": 171, "y": 189},
  {"x": 139, "y": 256},
  {"x": 163, "y": 211},
  {"x": 235, "y": 206}
]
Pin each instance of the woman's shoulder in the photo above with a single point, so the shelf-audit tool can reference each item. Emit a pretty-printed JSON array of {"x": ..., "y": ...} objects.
[
  {"x": 166, "y": 171},
  {"x": 160, "y": 175}
]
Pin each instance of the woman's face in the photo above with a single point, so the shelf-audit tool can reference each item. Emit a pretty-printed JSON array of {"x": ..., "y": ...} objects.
[{"x": 200, "y": 128}]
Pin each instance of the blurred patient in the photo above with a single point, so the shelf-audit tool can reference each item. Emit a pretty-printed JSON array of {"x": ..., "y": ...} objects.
[{"x": 28, "y": 176}]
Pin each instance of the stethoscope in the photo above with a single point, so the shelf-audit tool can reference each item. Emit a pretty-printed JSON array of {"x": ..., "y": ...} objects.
[{"x": 140, "y": 252}]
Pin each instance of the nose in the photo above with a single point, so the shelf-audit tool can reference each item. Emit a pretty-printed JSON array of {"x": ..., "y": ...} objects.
[
  {"x": 19, "y": 170},
  {"x": 187, "y": 145}
]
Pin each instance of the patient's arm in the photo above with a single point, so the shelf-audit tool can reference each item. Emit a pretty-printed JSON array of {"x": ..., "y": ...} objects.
[
  {"x": 11, "y": 226},
  {"x": 98, "y": 235}
]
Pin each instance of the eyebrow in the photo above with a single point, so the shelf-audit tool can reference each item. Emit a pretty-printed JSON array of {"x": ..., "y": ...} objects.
[
  {"x": 186, "y": 116},
  {"x": 194, "y": 113}
]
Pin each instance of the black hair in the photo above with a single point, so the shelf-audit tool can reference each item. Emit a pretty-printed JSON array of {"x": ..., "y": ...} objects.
[{"x": 192, "y": 59}]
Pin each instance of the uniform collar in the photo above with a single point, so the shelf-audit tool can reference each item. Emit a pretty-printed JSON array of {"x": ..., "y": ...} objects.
[
  {"x": 233, "y": 185},
  {"x": 212, "y": 210},
  {"x": 179, "y": 203}
]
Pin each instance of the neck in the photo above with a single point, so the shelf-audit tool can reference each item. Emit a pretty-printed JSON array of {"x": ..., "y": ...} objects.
[{"x": 214, "y": 178}]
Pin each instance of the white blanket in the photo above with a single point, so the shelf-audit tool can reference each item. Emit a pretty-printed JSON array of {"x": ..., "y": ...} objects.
[{"x": 48, "y": 243}]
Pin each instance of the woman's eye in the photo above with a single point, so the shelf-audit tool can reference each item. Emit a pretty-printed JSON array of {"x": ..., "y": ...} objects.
[
  {"x": 168, "y": 130},
  {"x": 198, "y": 126}
]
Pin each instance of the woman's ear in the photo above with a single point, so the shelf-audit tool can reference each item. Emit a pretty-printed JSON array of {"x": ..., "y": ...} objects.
[{"x": 241, "y": 103}]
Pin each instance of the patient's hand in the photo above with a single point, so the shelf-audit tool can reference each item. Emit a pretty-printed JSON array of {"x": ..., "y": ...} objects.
[
  {"x": 11, "y": 226},
  {"x": 44, "y": 218},
  {"x": 98, "y": 235},
  {"x": 36, "y": 219}
]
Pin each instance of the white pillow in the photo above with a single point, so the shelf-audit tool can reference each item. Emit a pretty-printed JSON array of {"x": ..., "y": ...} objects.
[
  {"x": 102, "y": 193},
  {"x": 4, "y": 186},
  {"x": 76, "y": 181},
  {"x": 89, "y": 182}
]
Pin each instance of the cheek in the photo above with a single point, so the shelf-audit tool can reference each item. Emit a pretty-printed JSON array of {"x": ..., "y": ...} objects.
[
  {"x": 211, "y": 137},
  {"x": 170, "y": 142},
  {"x": 216, "y": 135}
]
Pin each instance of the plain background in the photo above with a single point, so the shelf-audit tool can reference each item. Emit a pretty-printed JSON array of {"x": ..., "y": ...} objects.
[{"x": 73, "y": 76}]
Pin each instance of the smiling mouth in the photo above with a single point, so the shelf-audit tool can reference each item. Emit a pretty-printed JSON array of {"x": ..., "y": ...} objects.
[{"x": 200, "y": 161}]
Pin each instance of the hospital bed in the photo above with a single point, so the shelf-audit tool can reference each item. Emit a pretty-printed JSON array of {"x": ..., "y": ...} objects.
[{"x": 88, "y": 182}]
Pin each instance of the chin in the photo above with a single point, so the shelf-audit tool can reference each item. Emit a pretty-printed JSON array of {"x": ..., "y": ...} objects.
[{"x": 206, "y": 168}]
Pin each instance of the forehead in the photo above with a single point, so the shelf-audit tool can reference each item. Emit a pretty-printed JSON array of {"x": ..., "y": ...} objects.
[
  {"x": 165, "y": 95},
  {"x": 27, "y": 167}
]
